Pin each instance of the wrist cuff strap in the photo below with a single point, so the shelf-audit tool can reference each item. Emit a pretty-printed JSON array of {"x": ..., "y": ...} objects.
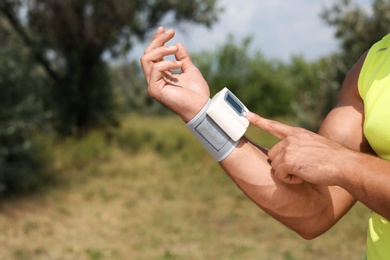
[{"x": 210, "y": 135}]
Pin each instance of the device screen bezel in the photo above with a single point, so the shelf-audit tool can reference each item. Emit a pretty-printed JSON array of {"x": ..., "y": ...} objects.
[{"x": 234, "y": 103}]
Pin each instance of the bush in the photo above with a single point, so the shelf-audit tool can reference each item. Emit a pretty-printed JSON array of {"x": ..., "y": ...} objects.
[
  {"x": 20, "y": 167},
  {"x": 165, "y": 135}
]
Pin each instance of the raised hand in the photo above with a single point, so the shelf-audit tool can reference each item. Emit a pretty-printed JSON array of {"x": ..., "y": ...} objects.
[
  {"x": 303, "y": 155},
  {"x": 185, "y": 93}
]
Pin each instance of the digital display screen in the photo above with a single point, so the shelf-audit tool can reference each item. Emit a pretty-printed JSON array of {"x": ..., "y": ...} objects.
[{"x": 234, "y": 103}]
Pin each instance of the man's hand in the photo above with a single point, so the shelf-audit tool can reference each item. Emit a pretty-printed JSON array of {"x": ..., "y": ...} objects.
[
  {"x": 303, "y": 155},
  {"x": 184, "y": 93}
]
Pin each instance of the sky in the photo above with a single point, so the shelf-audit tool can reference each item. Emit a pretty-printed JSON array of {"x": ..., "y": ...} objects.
[{"x": 279, "y": 28}]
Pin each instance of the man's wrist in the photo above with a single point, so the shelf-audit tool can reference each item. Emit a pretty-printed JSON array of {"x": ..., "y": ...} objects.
[
  {"x": 211, "y": 135},
  {"x": 192, "y": 111}
]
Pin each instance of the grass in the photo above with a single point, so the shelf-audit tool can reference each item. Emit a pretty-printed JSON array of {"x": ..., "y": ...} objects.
[{"x": 149, "y": 191}]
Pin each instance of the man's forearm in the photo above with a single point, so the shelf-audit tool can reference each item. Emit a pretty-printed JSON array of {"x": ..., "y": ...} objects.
[
  {"x": 305, "y": 208},
  {"x": 367, "y": 178}
]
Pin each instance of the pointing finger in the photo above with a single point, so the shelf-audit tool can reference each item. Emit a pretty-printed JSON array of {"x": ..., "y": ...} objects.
[{"x": 275, "y": 128}]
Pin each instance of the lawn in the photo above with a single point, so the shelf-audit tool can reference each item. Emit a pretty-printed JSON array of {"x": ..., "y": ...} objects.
[{"x": 148, "y": 191}]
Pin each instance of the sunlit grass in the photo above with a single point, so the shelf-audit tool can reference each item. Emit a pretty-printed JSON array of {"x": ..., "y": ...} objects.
[{"x": 148, "y": 190}]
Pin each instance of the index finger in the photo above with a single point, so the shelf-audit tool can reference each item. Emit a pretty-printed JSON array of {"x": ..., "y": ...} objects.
[
  {"x": 160, "y": 38},
  {"x": 273, "y": 127}
]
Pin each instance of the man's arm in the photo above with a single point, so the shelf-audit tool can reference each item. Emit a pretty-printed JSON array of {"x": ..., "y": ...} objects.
[
  {"x": 306, "y": 208},
  {"x": 341, "y": 159}
]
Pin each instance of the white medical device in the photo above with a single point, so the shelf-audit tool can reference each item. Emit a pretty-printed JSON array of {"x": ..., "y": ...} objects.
[{"x": 229, "y": 113}]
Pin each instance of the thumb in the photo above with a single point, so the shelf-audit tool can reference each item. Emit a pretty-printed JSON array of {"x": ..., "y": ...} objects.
[
  {"x": 183, "y": 56},
  {"x": 286, "y": 177},
  {"x": 275, "y": 128}
]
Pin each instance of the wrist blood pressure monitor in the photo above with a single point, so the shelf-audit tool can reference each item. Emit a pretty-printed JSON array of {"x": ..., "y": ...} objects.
[
  {"x": 220, "y": 124},
  {"x": 229, "y": 113}
]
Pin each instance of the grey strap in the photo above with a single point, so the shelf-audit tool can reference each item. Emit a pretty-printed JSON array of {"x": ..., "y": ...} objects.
[{"x": 210, "y": 135}]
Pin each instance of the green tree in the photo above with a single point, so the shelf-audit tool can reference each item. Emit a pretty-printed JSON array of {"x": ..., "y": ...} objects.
[
  {"x": 263, "y": 85},
  {"x": 69, "y": 38},
  {"x": 21, "y": 112},
  {"x": 357, "y": 29},
  {"x": 310, "y": 103},
  {"x": 134, "y": 98}
]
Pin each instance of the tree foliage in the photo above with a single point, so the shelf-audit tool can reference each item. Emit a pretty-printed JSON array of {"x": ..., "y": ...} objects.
[
  {"x": 134, "y": 98},
  {"x": 55, "y": 49},
  {"x": 357, "y": 29},
  {"x": 261, "y": 84},
  {"x": 21, "y": 112},
  {"x": 69, "y": 38},
  {"x": 314, "y": 95},
  {"x": 52, "y": 69}
]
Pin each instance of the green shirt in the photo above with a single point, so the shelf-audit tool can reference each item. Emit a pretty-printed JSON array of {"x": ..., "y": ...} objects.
[{"x": 374, "y": 88}]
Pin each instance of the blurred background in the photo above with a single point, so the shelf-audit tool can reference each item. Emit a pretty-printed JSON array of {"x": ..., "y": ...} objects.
[{"x": 92, "y": 168}]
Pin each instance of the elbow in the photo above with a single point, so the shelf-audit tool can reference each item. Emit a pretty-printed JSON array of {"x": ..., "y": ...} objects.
[
  {"x": 310, "y": 233},
  {"x": 310, "y": 228}
]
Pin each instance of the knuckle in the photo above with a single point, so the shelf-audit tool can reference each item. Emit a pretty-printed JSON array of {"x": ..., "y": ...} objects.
[
  {"x": 290, "y": 141},
  {"x": 151, "y": 90},
  {"x": 300, "y": 129},
  {"x": 142, "y": 59},
  {"x": 156, "y": 67},
  {"x": 289, "y": 160},
  {"x": 281, "y": 174},
  {"x": 272, "y": 124},
  {"x": 271, "y": 154},
  {"x": 255, "y": 120},
  {"x": 289, "y": 156},
  {"x": 302, "y": 133}
]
